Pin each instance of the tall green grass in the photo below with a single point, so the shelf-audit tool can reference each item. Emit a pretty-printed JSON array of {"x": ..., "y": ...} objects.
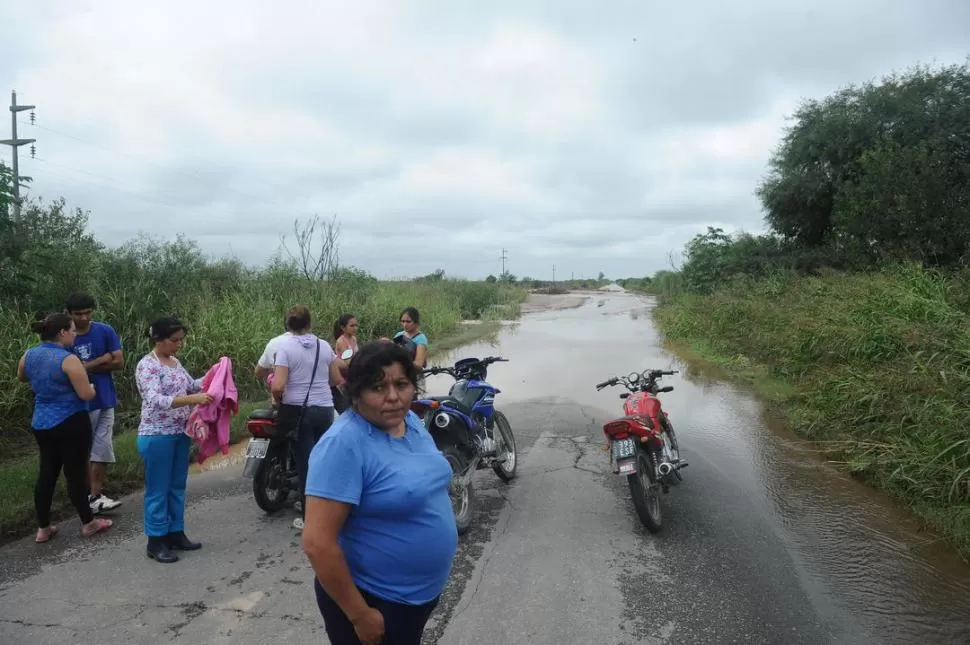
[
  {"x": 875, "y": 367},
  {"x": 237, "y": 322}
]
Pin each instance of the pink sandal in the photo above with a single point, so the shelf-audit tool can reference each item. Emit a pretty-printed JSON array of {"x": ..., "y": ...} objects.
[
  {"x": 100, "y": 524},
  {"x": 45, "y": 535}
]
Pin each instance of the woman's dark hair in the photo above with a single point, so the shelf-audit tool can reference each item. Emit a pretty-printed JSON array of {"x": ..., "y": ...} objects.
[
  {"x": 49, "y": 326},
  {"x": 298, "y": 318},
  {"x": 79, "y": 302},
  {"x": 164, "y": 328},
  {"x": 338, "y": 326},
  {"x": 413, "y": 313},
  {"x": 367, "y": 368}
]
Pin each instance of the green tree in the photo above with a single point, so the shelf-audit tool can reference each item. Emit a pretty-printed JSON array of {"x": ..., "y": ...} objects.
[{"x": 878, "y": 171}]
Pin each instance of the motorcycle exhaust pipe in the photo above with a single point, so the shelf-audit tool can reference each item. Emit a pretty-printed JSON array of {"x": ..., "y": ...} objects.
[{"x": 665, "y": 469}]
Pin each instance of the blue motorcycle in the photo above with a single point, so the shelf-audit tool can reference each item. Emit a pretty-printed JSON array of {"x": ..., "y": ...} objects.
[{"x": 464, "y": 425}]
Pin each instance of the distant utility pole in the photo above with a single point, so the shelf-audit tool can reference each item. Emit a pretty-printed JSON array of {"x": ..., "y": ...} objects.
[
  {"x": 504, "y": 258},
  {"x": 554, "y": 273},
  {"x": 15, "y": 143}
]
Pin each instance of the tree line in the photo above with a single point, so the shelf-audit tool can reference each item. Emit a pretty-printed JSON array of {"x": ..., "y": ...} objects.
[{"x": 872, "y": 175}]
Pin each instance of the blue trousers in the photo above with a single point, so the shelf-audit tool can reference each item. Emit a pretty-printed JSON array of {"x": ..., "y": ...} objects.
[{"x": 166, "y": 459}]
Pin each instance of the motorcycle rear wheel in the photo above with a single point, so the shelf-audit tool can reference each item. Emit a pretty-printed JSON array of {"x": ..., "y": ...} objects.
[
  {"x": 646, "y": 498},
  {"x": 269, "y": 483}
]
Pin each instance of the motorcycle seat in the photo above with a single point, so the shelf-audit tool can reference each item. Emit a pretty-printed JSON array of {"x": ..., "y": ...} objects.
[
  {"x": 637, "y": 419},
  {"x": 452, "y": 402},
  {"x": 267, "y": 414}
]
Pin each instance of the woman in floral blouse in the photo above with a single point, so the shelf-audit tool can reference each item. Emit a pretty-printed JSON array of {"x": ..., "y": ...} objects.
[{"x": 168, "y": 393}]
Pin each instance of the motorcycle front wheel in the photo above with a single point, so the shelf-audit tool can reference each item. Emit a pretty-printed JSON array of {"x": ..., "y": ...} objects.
[
  {"x": 646, "y": 498},
  {"x": 269, "y": 482},
  {"x": 506, "y": 469},
  {"x": 462, "y": 497}
]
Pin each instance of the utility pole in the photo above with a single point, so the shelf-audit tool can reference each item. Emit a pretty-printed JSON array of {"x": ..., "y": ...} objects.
[
  {"x": 554, "y": 274},
  {"x": 15, "y": 143},
  {"x": 504, "y": 258}
]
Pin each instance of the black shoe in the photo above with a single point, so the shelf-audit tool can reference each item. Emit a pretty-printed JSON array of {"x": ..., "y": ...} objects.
[
  {"x": 178, "y": 540},
  {"x": 158, "y": 550}
]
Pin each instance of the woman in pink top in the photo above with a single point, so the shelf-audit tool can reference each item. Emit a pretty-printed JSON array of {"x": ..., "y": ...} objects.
[{"x": 345, "y": 337}]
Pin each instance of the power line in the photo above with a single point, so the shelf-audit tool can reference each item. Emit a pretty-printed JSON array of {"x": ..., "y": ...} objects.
[
  {"x": 142, "y": 159},
  {"x": 15, "y": 144}
]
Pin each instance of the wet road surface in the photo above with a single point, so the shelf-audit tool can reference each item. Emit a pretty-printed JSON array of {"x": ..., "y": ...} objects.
[{"x": 763, "y": 543}]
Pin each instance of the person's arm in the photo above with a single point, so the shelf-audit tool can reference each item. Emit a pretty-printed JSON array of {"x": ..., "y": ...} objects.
[
  {"x": 421, "y": 350},
  {"x": 280, "y": 374},
  {"x": 335, "y": 484},
  {"x": 21, "y": 374},
  {"x": 78, "y": 376},
  {"x": 324, "y": 519},
  {"x": 149, "y": 382},
  {"x": 264, "y": 366},
  {"x": 111, "y": 361}
]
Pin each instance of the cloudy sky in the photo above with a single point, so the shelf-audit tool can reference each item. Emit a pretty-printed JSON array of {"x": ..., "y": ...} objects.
[{"x": 589, "y": 136}]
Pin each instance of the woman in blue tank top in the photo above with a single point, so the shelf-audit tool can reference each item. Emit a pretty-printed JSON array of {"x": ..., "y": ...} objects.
[{"x": 61, "y": 423}]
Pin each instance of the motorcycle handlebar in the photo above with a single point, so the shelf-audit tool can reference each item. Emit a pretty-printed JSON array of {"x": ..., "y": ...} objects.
[{"x": 652, "y": 373}]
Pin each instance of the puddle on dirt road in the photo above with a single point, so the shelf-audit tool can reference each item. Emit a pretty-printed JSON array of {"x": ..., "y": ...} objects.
[{"x": 856, "y": 550}]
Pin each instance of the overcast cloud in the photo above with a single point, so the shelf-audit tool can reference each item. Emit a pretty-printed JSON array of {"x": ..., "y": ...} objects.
[{"x": 589, "y": 136}]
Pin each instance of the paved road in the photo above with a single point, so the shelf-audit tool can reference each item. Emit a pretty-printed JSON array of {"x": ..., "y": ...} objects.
[{"x": 558, "y": 556}]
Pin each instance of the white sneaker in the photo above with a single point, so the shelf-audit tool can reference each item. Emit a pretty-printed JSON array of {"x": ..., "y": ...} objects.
[
  {"x": 102, "y": 503},
  {"x": 298, "y": 523}
]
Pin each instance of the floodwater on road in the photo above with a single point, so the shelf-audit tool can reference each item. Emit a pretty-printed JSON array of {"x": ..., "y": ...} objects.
[
  {"x": 757, "y": 503},
  {"x": 763, "y": 542}
]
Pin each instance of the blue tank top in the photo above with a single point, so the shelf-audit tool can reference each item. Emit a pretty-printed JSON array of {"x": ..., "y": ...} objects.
[{"x": 54, "y": 397}]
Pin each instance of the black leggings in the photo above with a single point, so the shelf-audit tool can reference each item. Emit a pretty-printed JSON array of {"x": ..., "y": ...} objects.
[
  {"x": 403, "y": 624},
  {"x": 67, "y": 445}
]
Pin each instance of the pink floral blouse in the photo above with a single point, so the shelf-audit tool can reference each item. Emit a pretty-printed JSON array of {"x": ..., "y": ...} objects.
[{"x": 158, "y": 386}]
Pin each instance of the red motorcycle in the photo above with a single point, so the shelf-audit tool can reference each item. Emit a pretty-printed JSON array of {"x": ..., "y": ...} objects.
[{"x": 643, "y": 445}]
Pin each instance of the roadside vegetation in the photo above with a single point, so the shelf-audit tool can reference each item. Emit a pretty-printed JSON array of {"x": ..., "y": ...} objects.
[
  {"x": 230, "y": 310},
  {"x": 852, "y": 313}
]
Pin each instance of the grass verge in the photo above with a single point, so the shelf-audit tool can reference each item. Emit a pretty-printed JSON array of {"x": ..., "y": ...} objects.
[
  {"x": 874, "y": 368},
  {"x": 18, "y": 474}
]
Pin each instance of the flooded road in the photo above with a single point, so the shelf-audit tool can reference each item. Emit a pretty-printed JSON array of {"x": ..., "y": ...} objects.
[{"x": 763, "y": 543}]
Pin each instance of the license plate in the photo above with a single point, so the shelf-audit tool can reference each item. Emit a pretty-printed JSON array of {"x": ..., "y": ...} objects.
[
  {"x": 257, "y": 448},
  {"x": 623, "y": 449},
  {"x": 627, "y": 467}
]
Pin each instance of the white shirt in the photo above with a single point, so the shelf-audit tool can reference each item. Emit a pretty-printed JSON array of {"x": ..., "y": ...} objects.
[{"x": 268, "y": 360}]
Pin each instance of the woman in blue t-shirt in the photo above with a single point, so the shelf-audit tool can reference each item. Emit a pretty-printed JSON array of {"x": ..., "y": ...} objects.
[
  {"x": 414, "y": 341},
  {"x": 380, "y": 529},
  {"x": 60, "y": 421}
]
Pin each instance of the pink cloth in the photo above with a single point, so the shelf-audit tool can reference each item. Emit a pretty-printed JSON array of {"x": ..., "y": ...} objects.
[{"x": 208, "y": 425}]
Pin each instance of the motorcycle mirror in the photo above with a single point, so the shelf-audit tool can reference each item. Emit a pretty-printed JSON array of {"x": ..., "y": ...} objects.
[{"x": 347, "y": 353}]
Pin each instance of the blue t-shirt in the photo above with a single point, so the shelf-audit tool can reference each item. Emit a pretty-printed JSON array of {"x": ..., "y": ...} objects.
[
  {"x": 54, "y": 397},
  {"x": 411, "y": 344},
  {"x": 400, "y": 537},
  {"x": 98, "y": 341}
]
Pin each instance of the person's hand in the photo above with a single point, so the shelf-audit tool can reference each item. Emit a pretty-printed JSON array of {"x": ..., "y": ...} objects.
[
  {"x": 370, "y": 627},
  {"x": 201, "y": 398}
]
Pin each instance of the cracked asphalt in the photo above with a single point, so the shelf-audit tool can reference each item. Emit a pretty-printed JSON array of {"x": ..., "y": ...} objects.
[{"x": 762, "y": 543}]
